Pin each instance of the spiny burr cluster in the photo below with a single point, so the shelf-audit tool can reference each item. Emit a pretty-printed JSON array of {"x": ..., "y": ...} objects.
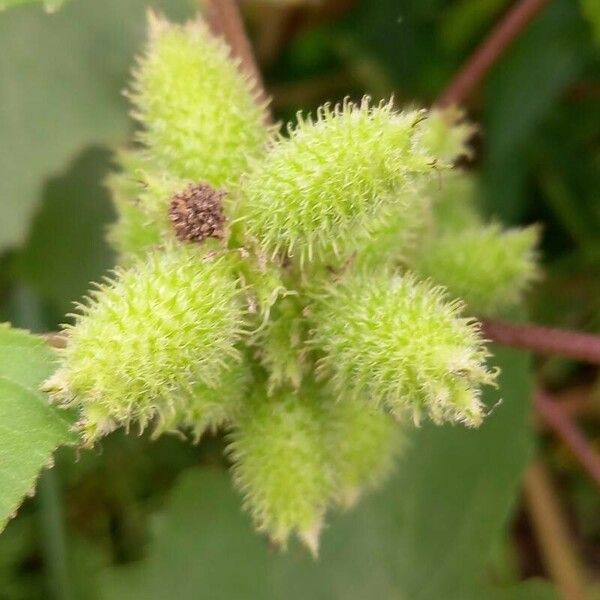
[{"x": 305, "y": 292}]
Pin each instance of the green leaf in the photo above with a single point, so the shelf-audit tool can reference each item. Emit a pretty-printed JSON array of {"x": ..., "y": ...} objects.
[
  {"x": 66, "y": 76},
  {"x": 30, "y": 429},
  {"x": 24, "y": 358},
  {"x": 428, "y": 535}
]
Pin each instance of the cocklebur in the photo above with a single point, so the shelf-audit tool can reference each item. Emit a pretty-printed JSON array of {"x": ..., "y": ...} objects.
[
  {"x": 201, "y": 124},
  {"x": 295, "y": 452},
  {"x": 488, "y": 267},
  {"x": 389, "y": 241},
  {"x": 200, "y": 115},
  {"x": 147, "y": 337},
  {"x": 402, "y": 345},
  {"x": 280, "y": 463},
  {"x": 331, "y": 180},
  {"x": 363, "y": 442}
]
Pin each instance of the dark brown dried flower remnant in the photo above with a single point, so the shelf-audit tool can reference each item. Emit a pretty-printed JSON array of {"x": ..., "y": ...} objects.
[{"x": 197, "y": 213}]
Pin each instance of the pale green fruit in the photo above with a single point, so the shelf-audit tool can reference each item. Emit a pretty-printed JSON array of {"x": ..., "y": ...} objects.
[
  {"x": 147, "y": 337},
  {"x": 399, "y": 343},
  {"x": 280, "y": 464}
]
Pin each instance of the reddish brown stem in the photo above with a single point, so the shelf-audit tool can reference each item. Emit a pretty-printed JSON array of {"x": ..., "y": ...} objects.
[
  {"x": 224, "y": 19},
  {"x": 545, "y": 340},
  {"x": 488, "y": 52},
  {"x": 558, "y": 420}
]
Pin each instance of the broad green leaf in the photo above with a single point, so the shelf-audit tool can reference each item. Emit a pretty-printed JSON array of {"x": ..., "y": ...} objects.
[
  {"x": 30, "y": 429},
  {"x": 49, "y": 5},
  {"x": 24, "y": 358},
  {"x": 427, "y": 535},
  {"x": 66, "y": 75}
]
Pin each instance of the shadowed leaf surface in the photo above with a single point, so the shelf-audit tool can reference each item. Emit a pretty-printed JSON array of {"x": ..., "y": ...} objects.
[{"x": 66, "y": 247}]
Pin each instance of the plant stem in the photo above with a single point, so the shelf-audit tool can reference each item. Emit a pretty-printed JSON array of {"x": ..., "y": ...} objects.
[
  {"x": 53, "y": 535},
  {"x": 560, "y": 422},
  {"x": 488, "y": 52},
  {"x": 545, "y": 340},
  {"x": 553, "y": 538},
  {"x": 225, "y": 20}
]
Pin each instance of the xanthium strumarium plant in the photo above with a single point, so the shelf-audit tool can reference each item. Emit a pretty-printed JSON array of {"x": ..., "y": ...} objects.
[{"x": 304, "y": 291}]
